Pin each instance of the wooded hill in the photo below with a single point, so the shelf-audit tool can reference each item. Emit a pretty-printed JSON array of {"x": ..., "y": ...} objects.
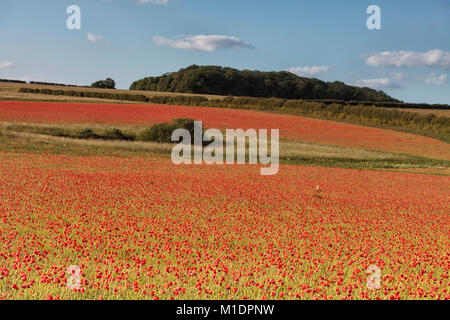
[{"x": 227, "y": 81}]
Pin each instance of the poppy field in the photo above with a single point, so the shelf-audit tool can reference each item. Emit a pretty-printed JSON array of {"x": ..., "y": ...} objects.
[
  {"x": 218, "y": 159},
  {"x": 291, "y": 127},
  {"x": 142, "y": 228}
]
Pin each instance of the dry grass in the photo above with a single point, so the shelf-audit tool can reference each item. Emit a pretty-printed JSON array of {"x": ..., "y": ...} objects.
[
  {"x": 436, "y": 112},
  {"x": 26, "y": 135},
  {"x": 288, "y": 149},
  {"x": 138, "y": 146},
  {"x": 17, "y": 126},
  {"x": 290, "y": 152},
  {"x": 295, "y": 149}
]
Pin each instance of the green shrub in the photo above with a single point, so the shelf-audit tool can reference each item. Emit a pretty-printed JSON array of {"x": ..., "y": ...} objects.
[
  {"x": 87, "y": 134},
  {"x": 56, "y": 132},
  {"x": 116, "y": 134},
  {"x": 108, "y": 83},
  {"x": 162, "y": 132},
  {"x": 26, "y": 90}
]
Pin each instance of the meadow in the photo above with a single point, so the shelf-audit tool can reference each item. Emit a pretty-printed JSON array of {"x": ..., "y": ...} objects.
[{"x": 138, "y": 227}]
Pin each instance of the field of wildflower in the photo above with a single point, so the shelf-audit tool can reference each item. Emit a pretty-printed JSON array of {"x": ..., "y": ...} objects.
[
  {"x": 143, "y": 229},
  {"x": 99, "y": 226}
]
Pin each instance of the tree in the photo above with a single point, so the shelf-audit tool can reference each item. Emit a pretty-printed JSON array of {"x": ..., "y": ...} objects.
[
  {"x": 105, "y": 84},
  {"x": 227, "y": 81}
]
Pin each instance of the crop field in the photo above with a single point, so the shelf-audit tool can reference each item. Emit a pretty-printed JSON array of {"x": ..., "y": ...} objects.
[
  {"x": 129, "y": 224},
  {"x": 291, "y": 127},
  {"x": 142, "y": 228}
]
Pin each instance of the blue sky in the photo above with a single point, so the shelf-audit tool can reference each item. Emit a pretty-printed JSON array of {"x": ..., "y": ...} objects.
[{"x": 409, "y": 57}]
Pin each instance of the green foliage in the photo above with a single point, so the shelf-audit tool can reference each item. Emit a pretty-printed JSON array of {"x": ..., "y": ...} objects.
[
  {"x": 116, "y": 134},
  {"x": 54, "y": 84},
  {"x": 178, "y": 100},
  {"x": 26, "y": 90},
  {"x": 12, "y": 81},
  {"x": 162, "y": 132},
  {"x": 227, "y": 81},
  {"x": 89, "y": 94},
  {"x": 87, "y": 134},
  {"x": 108, "y": 83}
]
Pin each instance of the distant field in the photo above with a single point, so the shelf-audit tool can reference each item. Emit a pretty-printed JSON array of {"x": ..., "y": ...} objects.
[
  {"x": 437, "y": 112},
  {"x": 291, "y": 127}
]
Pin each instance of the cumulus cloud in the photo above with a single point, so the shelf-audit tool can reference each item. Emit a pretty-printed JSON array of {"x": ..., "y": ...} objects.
[
  {"x": 410, "y": 59},
  {"x": 157, "y": 2},
  {"x": 379, "y": 83},
  {"x": 94, "y": 38},
  {"x": 309, "y": 71},
  {"x": 438, "y": 80},
  {"x": 202, "y": 42},
  {"x": 6, "y": 64}
]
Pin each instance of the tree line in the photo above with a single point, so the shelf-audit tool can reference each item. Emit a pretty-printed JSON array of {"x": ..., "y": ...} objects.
[
  {"x": 89, "y": 94},
  {"x": 228, "y": 81}
]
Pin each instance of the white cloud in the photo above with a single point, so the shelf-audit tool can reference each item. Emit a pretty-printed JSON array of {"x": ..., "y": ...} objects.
[
  {"x": 410, "y": 59},
  {"x": 157, "y": 2},
  {"x": 202, "y": 42},
  {"x": 6, "y": 64},
  {"x": 435, "y": 79},
  {"x": 94, "y": 38},
  {"x": 309, "y": 71},
  {"x": 379, "y": 83}
]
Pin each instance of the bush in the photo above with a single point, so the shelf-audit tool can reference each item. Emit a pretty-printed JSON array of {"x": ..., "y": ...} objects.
[
  {"x": 179, "y": 100},
  {"x": 87, "y": 134},
  {"x": 162, "y": 132},
  {"x": 89, "y": 94},
  {"x": 26, "y": 90},
  {"x": 12, "y": 81},
  {"x": 116, "y": 134},
  {"x": 51, "y": 131},
  {"x": 108, "y": 83}
]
